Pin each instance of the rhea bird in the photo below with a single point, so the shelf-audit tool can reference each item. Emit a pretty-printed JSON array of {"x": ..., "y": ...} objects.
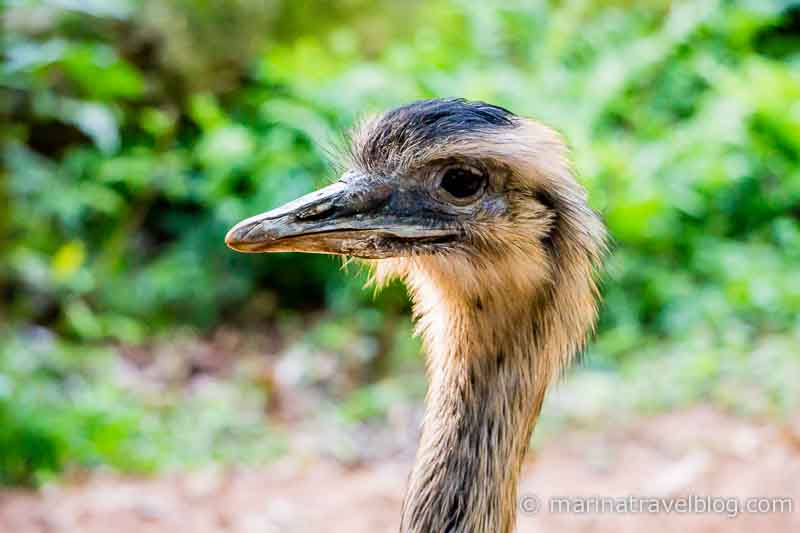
[{"x": 478, "y": 211}]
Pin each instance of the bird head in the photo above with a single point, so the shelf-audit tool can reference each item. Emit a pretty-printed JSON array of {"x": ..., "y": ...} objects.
[{"x": 461, "y": 193}]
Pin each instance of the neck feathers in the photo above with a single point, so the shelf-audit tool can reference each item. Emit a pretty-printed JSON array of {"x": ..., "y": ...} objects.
[{"x": 481, "y": 408}]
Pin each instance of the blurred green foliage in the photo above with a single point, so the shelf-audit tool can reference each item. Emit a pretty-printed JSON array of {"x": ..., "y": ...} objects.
[
  {"x": 64, "y": 404},
  {"x": 136, "y": 132}
]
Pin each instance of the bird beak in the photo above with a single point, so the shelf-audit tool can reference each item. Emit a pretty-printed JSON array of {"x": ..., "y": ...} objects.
[{"x": 357, "y": 216}]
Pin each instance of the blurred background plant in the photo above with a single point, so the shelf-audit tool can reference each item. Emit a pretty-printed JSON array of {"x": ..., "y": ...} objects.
[{"x": 134, "y": 133}]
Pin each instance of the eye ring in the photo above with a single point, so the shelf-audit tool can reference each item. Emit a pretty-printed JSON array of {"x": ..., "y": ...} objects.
[{"x": 461, "y": 184}]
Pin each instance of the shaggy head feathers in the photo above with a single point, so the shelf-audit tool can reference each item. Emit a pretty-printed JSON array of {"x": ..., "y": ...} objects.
[{"x": 388, "y": 142}]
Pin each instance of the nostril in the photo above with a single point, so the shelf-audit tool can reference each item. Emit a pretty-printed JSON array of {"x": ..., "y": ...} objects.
[
  {"x": 364, "y": 200},
  {"x": 315, "y": 212}
]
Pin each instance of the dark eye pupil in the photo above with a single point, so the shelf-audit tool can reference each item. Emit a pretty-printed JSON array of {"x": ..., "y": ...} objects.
[{"x": 462, "y": 183}]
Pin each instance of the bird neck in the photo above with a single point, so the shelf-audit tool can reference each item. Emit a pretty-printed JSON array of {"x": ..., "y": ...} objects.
[{"x": 487, "y": 383}]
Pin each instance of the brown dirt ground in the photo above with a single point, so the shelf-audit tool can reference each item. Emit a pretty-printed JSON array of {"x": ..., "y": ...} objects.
[{"x": 699, "y": 451}]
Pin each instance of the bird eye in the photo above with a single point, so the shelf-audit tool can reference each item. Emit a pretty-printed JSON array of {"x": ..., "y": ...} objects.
[{"x": 462, "y": 184}]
